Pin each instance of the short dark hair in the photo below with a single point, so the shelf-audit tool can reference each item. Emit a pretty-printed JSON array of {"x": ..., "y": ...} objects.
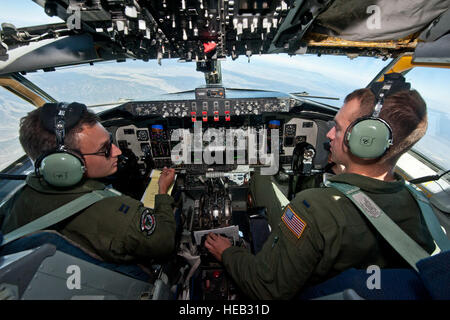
[
  {"x": 405, "y": 112},
  {"x": 36, "y": 140}
]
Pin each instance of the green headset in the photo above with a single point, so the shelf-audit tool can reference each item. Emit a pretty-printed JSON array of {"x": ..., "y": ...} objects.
[
  {"x": 370, "y": 137},
  {"x": 61, "y": 166}
]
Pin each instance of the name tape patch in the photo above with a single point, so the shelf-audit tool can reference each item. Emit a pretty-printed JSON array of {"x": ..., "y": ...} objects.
[
  {"x": 367, "y": 204},
  {"x": 293, "y": 222}
]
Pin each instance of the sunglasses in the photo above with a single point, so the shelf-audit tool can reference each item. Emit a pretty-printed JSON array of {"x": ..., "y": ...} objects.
[{"x": 106, "y": 153}]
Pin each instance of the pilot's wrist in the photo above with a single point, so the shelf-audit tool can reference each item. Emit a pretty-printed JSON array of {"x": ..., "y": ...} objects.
[
  {"x": 162, "y": 191},
  {"x": 228, "y": 253}
]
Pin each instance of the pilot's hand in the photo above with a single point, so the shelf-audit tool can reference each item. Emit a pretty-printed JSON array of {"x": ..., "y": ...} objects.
[
  {"x": 165, "y": 180},
  {"x": 216, "y": 245}
]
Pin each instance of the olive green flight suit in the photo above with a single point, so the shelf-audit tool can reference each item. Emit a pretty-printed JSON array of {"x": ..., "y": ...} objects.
[
  {"x": 335, "y": 236},
  {"x": 119, "y": 229}
]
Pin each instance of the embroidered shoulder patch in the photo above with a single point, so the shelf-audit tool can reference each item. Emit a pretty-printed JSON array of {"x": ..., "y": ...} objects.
[
  {"x": 148, "y": 222},
  {"x": 293, "y": 222}
]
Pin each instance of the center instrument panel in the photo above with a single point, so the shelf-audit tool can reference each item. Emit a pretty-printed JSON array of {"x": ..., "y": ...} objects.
[
  {"x": 159, "y": 126},
  {"x": 216, "y": 136},
  {"x": 155, "y": 140}
]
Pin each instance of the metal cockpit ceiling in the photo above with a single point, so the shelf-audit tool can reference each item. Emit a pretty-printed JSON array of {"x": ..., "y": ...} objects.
[{"x": 206, "y": 30}]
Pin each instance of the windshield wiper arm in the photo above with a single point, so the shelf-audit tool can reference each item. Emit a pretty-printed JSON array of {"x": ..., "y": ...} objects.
[
  {"x": 120, "y": 101},
  {"x": 306, "y": 95}
]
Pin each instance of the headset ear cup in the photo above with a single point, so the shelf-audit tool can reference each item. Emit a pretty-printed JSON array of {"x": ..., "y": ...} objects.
[
  {"x": 61, "y": 169},
  {"x": 369, "y": 138},
  {"x": 348, "y": 134}
]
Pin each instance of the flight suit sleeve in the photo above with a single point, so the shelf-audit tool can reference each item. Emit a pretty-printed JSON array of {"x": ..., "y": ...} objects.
[
  {"x": 152, "y": 234},
  {"x": 282, "y": 267},
  {"x": 134, "y": 232},
  {"x": 264, "y": 195}
]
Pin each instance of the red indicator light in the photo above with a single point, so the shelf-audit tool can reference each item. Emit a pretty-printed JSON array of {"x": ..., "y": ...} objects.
[{"x": 209, "y": 46}]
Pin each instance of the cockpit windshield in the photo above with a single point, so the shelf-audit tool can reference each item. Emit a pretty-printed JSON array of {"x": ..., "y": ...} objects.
[
  {"x": 112, "y": 83},
  {"x": 327, "y": 77},
  {"x": 432, "y": 83}
]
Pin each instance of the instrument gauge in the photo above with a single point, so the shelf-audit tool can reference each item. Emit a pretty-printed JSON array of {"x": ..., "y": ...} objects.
[{"x": 142, "y": 135}]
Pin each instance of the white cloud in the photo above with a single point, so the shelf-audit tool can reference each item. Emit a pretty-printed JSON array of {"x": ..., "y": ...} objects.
[
  {"x": 28, "y": 21},
  {"x": 339, "y": 68},
  {"x": 141, "y": 73}
]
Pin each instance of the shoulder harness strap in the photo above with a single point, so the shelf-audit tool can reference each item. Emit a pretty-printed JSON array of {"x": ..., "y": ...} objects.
[
  {"x": 431, "y": 221},
  {"x": 60, "y": 214},
  {"x": 390, "y": 231}
]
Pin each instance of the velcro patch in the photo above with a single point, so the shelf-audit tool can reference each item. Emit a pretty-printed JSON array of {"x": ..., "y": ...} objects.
[
  {"x": 293, "y": 222},
  {"x": 148, "y": 222}
]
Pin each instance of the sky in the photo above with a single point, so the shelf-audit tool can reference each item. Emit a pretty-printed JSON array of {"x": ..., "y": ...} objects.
[
  {"x": 31, "y": 14},
  {"x": 333, "y": 76}
]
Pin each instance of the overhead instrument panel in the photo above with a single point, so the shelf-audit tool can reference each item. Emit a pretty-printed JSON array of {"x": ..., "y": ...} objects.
[{"x": 207, "y": 31}]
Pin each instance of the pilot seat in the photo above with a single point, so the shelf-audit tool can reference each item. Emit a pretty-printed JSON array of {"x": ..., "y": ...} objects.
[{"x": 47, "y": 266}]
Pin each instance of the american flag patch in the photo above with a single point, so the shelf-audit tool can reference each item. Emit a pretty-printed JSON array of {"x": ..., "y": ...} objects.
[{"x": 293, "y": 222}]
